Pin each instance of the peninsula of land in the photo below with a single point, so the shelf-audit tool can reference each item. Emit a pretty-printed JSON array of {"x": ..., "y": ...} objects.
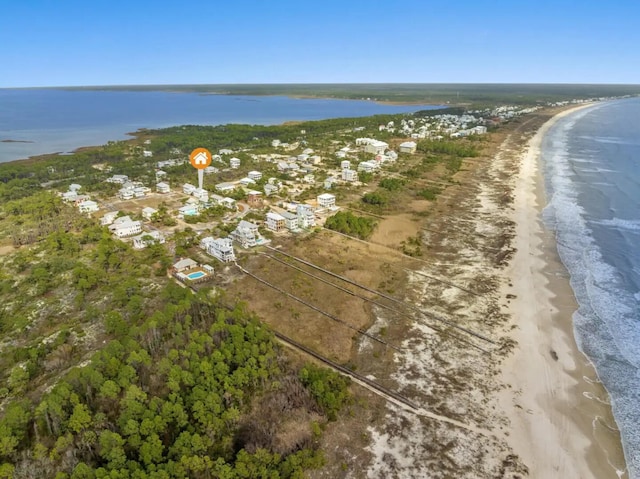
[{"x": 404, "y": 252}]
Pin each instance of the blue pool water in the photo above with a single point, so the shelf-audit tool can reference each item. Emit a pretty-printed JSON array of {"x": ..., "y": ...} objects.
[{"x": 196, "y": 275}]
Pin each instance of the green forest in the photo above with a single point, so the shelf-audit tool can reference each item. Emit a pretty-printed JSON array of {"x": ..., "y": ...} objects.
[
  {"x": 195, "y": 390},
  {"x": 350, "y": 224}
]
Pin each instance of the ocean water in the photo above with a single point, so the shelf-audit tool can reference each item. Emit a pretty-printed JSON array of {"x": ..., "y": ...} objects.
[
  {"x": 591, "y": 164},
  {"x": 51, "y": 121}
]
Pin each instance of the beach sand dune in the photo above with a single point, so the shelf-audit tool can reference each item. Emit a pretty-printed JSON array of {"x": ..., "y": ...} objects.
[
  {"x": 561, "y": 423},
  {"x": 533, "y": 398}
]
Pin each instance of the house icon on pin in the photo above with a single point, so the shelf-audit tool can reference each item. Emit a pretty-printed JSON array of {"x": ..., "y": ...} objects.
[{"x": 200, "y": 158}]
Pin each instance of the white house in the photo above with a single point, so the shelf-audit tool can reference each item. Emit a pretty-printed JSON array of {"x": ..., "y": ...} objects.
[
  {"x": 349, "y": 175},
  {"x": 275, "y": 143},
  {"x": 372, "y": 146},
  {"x": 216, "y": 199},
  {"x": 225, "y": 151},
  {"x": 148, "y": 212},
  {"x": 376, "y": 147},
  {"x": 188, "y": 188},
  {"x": 184, "y": 264},
  {"x": 124, "y": 226},
  {"x": 306, "y": 217},
  {"x": 246, "y": 181},
  {"x": 391, "y": 155},
  {"x": 234, "y": 163},
  {"x": 139, "y": 191},
  {"x": 283, "y": 166},
  {"x": 224, "y": 187},
  {"x": 367, "y": 166},
  {"x": 290, "y": 220},
  {"x": 309, "y": 178},
  {"x": 345, "y": 164},
  {"x": 270, "y": 189},
  {"x": 80, "y": 199},
  {"x": 201, "y": 194},
  {"x": 118, "y": 179},
  {"x": 229, "y": 203},
  {"x": 275, "y": 222},
  {"x": 221, "y": 249},
  {"x": 88, "y": 206},
  {"x": 147, "y": 238},
  {"x": 108, "y": 218},
  {"x": 125, "y": 193},
  {"x": 74, "y": 187},
  {"x": 408, "y": 147},
  {"x": 188, "y": 210},
  {"x": 69, "y": 196},
  {"x": 254, "y": 175},
  {"x": 211, "y": 169},
  {"x": 147, "y": 153},
  {"x": 326, "y": 200},
  {"x": 163, "y": 187},
  {"x": 329, "y": 182},
  {"x": 246, "y": 233}
]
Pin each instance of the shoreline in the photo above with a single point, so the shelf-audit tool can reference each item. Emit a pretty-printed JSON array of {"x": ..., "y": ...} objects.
[{"x": 560, "y": 416}]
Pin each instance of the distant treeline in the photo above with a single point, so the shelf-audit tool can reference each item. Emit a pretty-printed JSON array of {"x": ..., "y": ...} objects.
[{"x": 429, "y": 93}]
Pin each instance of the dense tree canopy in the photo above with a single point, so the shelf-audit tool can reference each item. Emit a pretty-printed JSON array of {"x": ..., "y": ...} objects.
[{"x": 350, "y": 224}]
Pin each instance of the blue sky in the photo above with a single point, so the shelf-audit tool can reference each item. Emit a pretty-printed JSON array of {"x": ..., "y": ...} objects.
[{"x": 70, "y": 42}]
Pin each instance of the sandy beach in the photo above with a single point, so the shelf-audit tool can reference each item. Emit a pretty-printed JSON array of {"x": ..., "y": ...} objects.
[
  {"x": 516, "y": 400},
  {"x": 560, "y": 419}
]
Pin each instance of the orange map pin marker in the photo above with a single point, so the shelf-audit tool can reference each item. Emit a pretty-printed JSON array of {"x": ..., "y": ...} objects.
[{"x": 200, "y": 158}]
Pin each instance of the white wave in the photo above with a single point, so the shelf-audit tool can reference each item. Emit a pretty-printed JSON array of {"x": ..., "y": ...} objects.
[
  {"x": 628, "y": 225},
  {"x": 607, "y": 324},
  {"x": 597, "y": 170}
]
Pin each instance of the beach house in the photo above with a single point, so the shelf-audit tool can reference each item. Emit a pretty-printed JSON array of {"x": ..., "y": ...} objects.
[
  {"x": 188, "y": 210},
  {"x": 88, "y": 206},
  {"x": 219, "y": 248},
  {"x": 147, "y": 238},
  {"x": 275, "y": 222},
  {"x": 229, "y": 203},
  {"x": 349, "y": 175},
  {"x": 125, "y": 193},
  {"x": 270, "y": 189},
  {"x": 148, "y": 212},
  {"x": 246, "y": 233},
  {"x": 163, "y": 188},
  {"x": 125, "y": 226},
  {"x": 408, "y": 147},
  {"x": 108, "y": 218},
  {"x": 254, "y": 199},
  {"x": 306, "y": 216},
  {"x": 290, "y": 220},
  {"x": 367, "y": 166},
  {"x": 185, "y": 264},
  {"x": 326, "y": 200}
]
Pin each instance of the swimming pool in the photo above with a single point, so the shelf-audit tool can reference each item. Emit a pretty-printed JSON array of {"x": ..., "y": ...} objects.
[{"x": 196, "y": 275}]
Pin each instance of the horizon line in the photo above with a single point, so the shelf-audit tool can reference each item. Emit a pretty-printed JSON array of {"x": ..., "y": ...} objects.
[{"x": 121, "y": 85}]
